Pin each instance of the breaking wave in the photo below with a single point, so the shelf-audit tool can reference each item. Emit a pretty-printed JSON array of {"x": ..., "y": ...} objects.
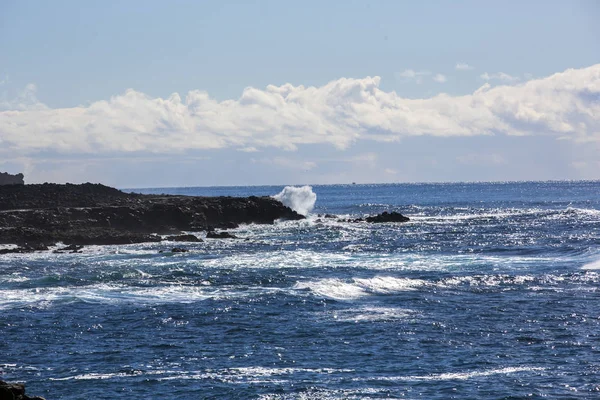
[{"x": 300, "y": 199}]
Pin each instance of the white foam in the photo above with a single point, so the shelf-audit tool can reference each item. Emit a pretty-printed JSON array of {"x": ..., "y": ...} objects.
[
  {"x": 300, "y": 199},
  {"x": 372, "y": 314},
  {"x": 355, "y": 288},
  {"x": 230, "y": 375},
  {"x": 98, "y": 376},
  {"x": 333, "y": 288},
  {"x": 594, "y": 265},
  {"x": 389, "y": 284},
  {"x": 451, "y": 376},
  {"x": 115, "y": 294},
  {"x": 587, "y": 211}
]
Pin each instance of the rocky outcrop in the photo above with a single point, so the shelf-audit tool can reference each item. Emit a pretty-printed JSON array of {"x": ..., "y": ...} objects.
[
  {"x": 8, "y": 179},
  {"x": 184, "y": 238},
  {"x": 40, "y": 215},
  {"x": 387, "y": 217},
  {"x": 15, "y": 391},
  {"x": 380, "y": 218},
  {"x": 220, "y": 235}
]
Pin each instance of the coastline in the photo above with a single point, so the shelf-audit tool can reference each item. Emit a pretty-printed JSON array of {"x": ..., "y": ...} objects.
[{"x": 37, "y": 216}]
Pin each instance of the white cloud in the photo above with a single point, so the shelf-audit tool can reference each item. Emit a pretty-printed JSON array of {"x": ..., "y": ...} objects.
[
  {"x": 365, "y": 159},
  {"x": 501, "y": 76},
  {"x": 412, "y": 75},
  {"x": 338, "y": 113},
  {"x": 461, "y": 66},
  {"x": 439, "y": 78},
  {"x": 25, "y": 100},
  {"x": 287, "y": 163},
  {"x": 248, "y": 149}
]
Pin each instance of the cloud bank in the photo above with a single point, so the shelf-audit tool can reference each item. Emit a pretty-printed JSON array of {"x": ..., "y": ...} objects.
[{"x": 565, "y": 105}]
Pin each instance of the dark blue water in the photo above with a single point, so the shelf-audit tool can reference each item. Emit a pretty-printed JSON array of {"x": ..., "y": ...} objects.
[{"x": 491, "y": 291}]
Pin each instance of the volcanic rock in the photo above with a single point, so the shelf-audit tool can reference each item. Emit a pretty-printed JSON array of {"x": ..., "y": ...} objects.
[
  {"x": 184, "y": 238},
  {"x": 8, "y": 179},
  {"x": 15, "y": 391},
  {"x": 387, "y": 217},
  {"x": 96, "y": 214},
  {"x": 220, "y": 235}
]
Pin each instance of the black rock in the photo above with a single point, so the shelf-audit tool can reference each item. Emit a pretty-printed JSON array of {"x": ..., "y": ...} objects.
[
  {"x": 73, "y": 248},
  {"x": 26, "y": 248},
  {"x": 184, "y": 238},
  {"x": 387, "y": 217},
  {"x": 15, "y": 391},
  {"x": 178, "y": 250},
  {"x": 220, "y": 235},
  {"x": 8, "y": 179},
  {"x": 96, "y": 214}
]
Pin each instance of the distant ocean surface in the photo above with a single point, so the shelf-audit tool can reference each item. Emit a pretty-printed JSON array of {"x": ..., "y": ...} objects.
[{"x": 490, "y": 291}]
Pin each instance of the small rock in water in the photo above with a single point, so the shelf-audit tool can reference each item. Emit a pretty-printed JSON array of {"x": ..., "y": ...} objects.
[
  {"x": 25, "y": 249},
  {"x": 220, "y": 235},
  {"x": 178, "y": 250},
  {"x": 387, "y": 217},
  {"x": 184, "y": 238},
  {"x": 73, "y": 248},
  {"x": 15, "y": 391}
]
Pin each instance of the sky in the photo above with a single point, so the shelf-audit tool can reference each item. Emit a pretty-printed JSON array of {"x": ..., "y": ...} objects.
[{"x": 217, "y": 93}]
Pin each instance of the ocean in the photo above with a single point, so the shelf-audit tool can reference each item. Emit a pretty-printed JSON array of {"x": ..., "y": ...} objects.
[{"x": 491, "y": 291}]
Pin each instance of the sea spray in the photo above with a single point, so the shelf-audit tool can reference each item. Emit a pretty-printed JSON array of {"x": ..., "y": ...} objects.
[{"x": 300, "y": 199}]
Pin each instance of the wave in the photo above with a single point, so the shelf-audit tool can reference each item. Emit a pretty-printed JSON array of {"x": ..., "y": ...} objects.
[
  {"x": 458, "y": 214},
  {"x": 43, "y": 298},
  {"x": 255, "y": 374},
  {"x": 451, "y": 376},
  {"x": 355, "y": 288},
  {"x": 373, "y": 314},
  {"x": 594, "y": 265},
  {"x": 239, "y": 374},
  {"x": 300, "y": 199}
]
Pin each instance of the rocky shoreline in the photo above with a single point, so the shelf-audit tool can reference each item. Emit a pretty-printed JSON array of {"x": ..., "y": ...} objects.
[
  {"x": 34, "y": 217},
  {"x": 37, "y": 216}
]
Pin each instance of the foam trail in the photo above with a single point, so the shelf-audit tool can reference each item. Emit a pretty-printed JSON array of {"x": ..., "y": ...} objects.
[
  {"x": 300, "y": 199},
  {"x": 595, "y": 265}
]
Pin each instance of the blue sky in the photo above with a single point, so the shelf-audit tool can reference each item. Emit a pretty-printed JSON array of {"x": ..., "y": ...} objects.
[{"x": 153, "y": 93}]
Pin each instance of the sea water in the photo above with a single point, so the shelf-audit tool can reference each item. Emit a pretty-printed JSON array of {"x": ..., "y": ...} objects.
[{"x": 490, "y": 291}]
